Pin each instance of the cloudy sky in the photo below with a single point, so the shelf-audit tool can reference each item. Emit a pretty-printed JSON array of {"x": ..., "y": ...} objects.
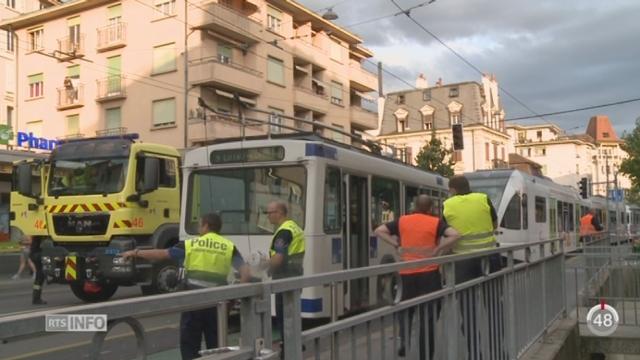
[{"x": 552, "y": 55}]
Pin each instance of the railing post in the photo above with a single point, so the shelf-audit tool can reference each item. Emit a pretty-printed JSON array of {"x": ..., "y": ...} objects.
[
  {"x": 292, "y": 328},
  {"x": 544, "y": 286},
  {"x": 248, "y": 323},
  {"x": 334, "y": 318},
  {"x": 510, "y": 311},
  {"x": 223, "y": 323},
  {"x": 450, "y": 307}
]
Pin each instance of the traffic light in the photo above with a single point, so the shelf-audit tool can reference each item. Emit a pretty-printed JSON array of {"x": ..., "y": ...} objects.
[
  {"x": 584, "y": 187},
  {"x": 458, "y": 141}
]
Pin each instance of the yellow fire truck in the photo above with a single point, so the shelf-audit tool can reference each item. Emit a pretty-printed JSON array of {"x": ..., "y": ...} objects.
[{"x": 93, "y": 199}]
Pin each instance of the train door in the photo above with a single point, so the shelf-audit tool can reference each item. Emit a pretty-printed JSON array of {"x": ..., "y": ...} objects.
[{"x": 357, "y": 240}]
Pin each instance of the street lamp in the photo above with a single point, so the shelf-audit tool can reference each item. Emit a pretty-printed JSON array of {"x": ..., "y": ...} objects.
[{"x": 330, "y": 15}]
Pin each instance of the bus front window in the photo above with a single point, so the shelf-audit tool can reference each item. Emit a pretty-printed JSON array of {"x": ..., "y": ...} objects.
[
  {"x": 87, "y": 176},
  {"x": 241, "y": 197}
]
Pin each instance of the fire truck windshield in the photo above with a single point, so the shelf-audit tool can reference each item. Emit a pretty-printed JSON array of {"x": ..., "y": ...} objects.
[{"x": 87, "y": 176}]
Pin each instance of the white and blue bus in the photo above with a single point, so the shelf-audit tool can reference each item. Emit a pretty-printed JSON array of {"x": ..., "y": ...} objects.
[{"x": 337, "y": 193}]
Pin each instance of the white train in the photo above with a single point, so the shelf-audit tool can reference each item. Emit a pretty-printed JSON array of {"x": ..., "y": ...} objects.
[
  {"x": 336, "y": 193},
  {"x": 531, "y": 208}
]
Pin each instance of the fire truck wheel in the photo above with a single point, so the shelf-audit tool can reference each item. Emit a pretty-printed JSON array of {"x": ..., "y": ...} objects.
[
  {"x": 94, "y": 293},
  {"x": 164, "y": 279}
]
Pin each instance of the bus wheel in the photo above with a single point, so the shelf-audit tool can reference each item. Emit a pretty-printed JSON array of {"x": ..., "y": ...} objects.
[
  {"x": 164, "y": 279},
  {"x": 389, "y": 286},
  {"x": 88, "y": 291}
]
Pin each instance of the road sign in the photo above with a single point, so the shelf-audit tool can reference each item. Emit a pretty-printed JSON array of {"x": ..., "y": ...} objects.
[{"x": 616, "y": 195}]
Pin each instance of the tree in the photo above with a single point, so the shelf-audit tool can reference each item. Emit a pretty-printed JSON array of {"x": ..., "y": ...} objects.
[
  {"x": 436, "y": 158},
  {"x": 631, "y": 165}
]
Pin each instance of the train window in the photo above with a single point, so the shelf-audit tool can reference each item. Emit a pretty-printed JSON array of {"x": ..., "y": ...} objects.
[
  {"x": 541, "y": 209},
  {"x": 385, "y": 200},
  {"x": 512, "y": 216},
  {"x": 525, "y": 212},
  {"x": 332, "y": 206},
  {"x": 411, "y": 193},
  {"x": 553, "y": 218},
  {"x": 570, "y": 221},
  {"x": 241, "y": 197},
  {"x": 612, "y": 217}
]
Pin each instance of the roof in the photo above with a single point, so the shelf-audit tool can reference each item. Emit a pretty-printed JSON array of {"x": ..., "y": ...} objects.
[
  {"x": 551, "y": 126},
  {"x": 519, "y": 159},
  {"x": 600, "y": 129},
  {"x": 435, "y": 87}
]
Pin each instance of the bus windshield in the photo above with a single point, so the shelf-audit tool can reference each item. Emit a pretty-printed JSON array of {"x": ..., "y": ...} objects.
[
  {"x": 493, "y": 187},
  {"x": 87, "y": 176},
  {"x": 241, "y": 197}
]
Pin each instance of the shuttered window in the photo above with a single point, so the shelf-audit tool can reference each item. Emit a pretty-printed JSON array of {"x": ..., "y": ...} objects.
[
  {"x": 73, "y": 124},
  {"x": 114, "y": 12},
  {"x": 73, "y": 71},
  {"x": 36, "y": 85},
  {"x": 164, "y": 58},
  {"x": 114, "y": 118},
  {"x": 164, "y": 112},
  {"x": 336, "y": 93},
  {"x": 275, "y": 70}
]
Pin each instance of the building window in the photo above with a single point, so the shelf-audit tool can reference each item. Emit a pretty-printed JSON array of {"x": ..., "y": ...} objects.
[
  {"x": 36, "y": 85},
  {"x": 453, "y": 92},
  {"x": 114, "y": 118},
  {"x": 502, "y": 153},
  {"x": 539, "y": 135},
  {"x": 337, "y": 136},
  {"x": 336, "y": 51},
  {"x": 336, "y": 93},
  {"x": 605, "y": 134},
  {"x": 166, "y": 7},
  {"x": 274, "y": 19},
  {"x": 275, "y": 71},
  {"x": 164, "y": 58},
  {"x": 457, "y": 156},
  {"x": 426, "y": 95},
  {"x": 540, "y": 151},
  {"x": 400, "y": 100},
  {"x": 402, "y": 125},
  {"x": 408, "y": 155},
  {"x": 427, "y": 121},
  {"x": 224, "y": 104},
  {"x": 10, "y": 39},
  {"x": 275, "y": 118},
  {"x": 74, "y": 33},
  {"x": 529, "y": 152},
  {"x": 225, "y": 54},
  {"x": 455, "y": 118},
  {"x": 36, "y": 39},
  {"x": 9, "y": 115},
  {"x": 114, "y": 14},
  {"x": 164, "y": 112},
  {"x": 11, "y": 4},
  {"x": 487, "y": 155},
  {"x": 73, "y": 124}
]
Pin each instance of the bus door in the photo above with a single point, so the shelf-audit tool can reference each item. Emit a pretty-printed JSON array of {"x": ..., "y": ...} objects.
[{"x": 356, "y": 236}]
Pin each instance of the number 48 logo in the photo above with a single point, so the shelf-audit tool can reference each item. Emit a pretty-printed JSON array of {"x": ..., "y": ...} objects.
[{"x": 602, "y": 320}]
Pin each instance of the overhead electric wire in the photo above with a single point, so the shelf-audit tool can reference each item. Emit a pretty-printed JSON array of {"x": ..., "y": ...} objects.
[{"x": 592, "y": 107}]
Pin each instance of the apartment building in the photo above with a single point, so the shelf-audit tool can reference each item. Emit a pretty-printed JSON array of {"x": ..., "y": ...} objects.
[
  {"x": 412, "y": 117},
  {"x": 568, "y": 158},
  {"x": 104, "y": 66}
]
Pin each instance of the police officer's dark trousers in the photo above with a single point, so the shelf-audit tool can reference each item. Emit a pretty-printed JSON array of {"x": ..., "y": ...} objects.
[
  {"x": 193, "y": 324},
  {"x": 36, "y": 257}
]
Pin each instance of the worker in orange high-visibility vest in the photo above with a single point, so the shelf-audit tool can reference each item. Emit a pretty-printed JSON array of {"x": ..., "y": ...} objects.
[
  {"x": 418, "y": 237},
  {"x": 589, "y": 225}
]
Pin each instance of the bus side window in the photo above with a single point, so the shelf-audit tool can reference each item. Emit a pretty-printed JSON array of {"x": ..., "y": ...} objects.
[
  {"x": 332, "y": 198},
  {"x": 525, "y": 212},
  {"x": 385, "y": 200},
  {"x": 411, "y": 193}
]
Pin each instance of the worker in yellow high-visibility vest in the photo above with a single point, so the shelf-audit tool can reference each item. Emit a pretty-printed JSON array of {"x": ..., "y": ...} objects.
[
  {"x": 474, "y": 217},
  {"x": 286, "y": 252},
  {"x": 207, "y": 260}
]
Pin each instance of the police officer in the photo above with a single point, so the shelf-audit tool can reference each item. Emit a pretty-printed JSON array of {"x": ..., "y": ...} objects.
[
  {"x": 474, "y": 217},
  {"x": 286, "y": 252},
  {"x": 207, "y": 260},
  {"x": 35, "y": 254},
  {"x": 418, "y": 237},
  {"x": 589, "y": 225}
]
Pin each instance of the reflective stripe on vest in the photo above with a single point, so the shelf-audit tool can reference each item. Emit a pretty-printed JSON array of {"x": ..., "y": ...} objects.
[
  {"x": 586, "y": 225},
  {"x": 418, "y": 234},
  {"x": 295, "y": 251},
  {"x": 208, "y": 258},
  {"x": 470, "y": 215}
]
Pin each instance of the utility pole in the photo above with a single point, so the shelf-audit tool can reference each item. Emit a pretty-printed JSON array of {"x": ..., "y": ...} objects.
[
  {"x": 607, "y": 213},
  {"x": 186, "y": 76}
]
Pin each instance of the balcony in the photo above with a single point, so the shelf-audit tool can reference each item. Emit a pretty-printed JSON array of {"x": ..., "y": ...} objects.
[
  {"x": 111, "y": 88},
  {"x": 70, "y": 97},
  {"x": 70, "y": 48},
  {"x": 118, "y": 131},
  {"x": 309, "y": 99},
  {"x": 230, "y": 22},
  {"x": 363, "y": 119},
  {"x": 362, "y": 79},
  {"x": 112, "y": 37},
  {"x": 221, "y": 72}
]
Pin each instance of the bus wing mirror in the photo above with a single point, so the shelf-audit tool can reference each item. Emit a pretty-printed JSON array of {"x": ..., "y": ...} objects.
[
  {"x": 24, "y": 178},
  {"x": 151, "y": 179}
]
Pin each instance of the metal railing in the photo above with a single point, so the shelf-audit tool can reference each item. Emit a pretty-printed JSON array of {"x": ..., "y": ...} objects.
[
  {"x": 495, "y": 316},
  {"x": 111, "y": 87},
  {"x": 71, "y": 47},
  {"x": 70, "y": 97},
  {"x": 112, "y": 35}
]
